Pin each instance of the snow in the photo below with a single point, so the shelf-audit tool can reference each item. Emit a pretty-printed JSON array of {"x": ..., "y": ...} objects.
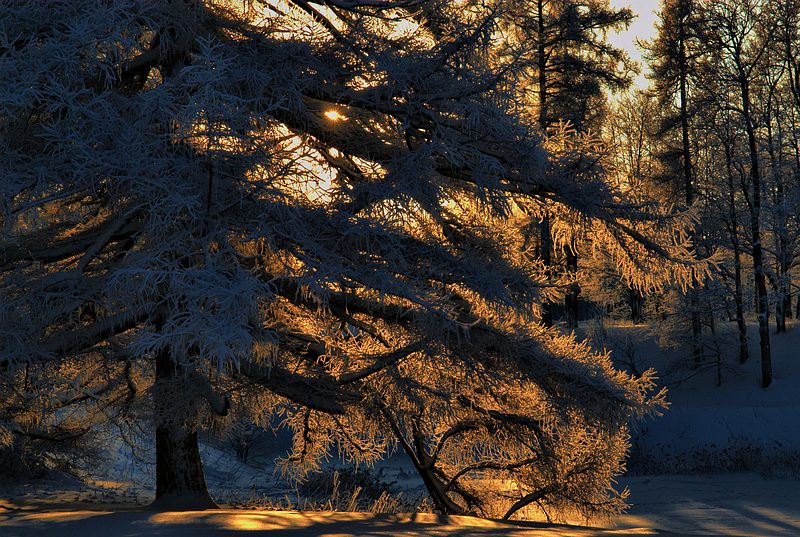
[
  {"x": 737, "y": 426},
  {"x": 90, "y": 523},
  {"x": 737, "y": 504},
  {"x": 726, "y": 504}
]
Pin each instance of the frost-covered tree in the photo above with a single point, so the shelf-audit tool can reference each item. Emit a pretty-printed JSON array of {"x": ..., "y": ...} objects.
[
  {"x": 737, "y": 37},
  {"x": 673, "y": 56},
  {"x": 632, "y": 142},
  {"x": 312, "y": 210},
  {"x": 566, "y": 61},
  {"x": 564, "y": 64}
]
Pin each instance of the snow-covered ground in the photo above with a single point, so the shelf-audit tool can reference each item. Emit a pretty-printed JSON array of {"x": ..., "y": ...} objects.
[
  {"x": 735, "y": 426},
  {"x": 734, "y": 505},
  {"x": 103, "y": 523},
  {"x": 724, "y": 460},
  {"x": 743, "y": 504},
  {"x": 722, "y": 504}
]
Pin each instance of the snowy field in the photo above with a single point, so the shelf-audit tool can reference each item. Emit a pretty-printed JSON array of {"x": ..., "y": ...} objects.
[
  {"x": 711, "y": 428},
  {"x": 722, "y": 461},
  {"x": 90, "y": 523},
  {"x": 739, "y": 504},
  {"x": 725, "y": 504}
]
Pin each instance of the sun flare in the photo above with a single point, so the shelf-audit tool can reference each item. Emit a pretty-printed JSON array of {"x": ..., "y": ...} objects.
[{"x": 334, "y": 115}]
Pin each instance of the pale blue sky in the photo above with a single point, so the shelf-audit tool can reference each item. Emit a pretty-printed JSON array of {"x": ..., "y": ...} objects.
[{"x": 642, "y": 28}]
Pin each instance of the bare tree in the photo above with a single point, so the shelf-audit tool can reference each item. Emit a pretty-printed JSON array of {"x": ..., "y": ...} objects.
[{"x": 738, "y": 36}]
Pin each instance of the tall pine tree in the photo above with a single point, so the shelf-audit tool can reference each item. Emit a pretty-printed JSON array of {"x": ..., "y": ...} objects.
[{"x": 566, "y": 66}]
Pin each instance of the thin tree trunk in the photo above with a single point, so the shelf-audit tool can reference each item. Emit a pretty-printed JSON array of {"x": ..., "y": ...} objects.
[
  {"x": 744, "y": 352},
  {"x": 635, "y": 298},
  {"x": 571, "y": 299},
  {"x": 424, "y": 467},
  {"x": 797, "y": 310},
  {"x": 787, "y": 297},
  {"x": 792, "y": 76},
  {"x": 738, "y": 294},
  {"x": 694, "y": 297},
  {"x": 779, "y": 229},
  {"x": 541, "y": 60},
  {"x": 712, "y": 326},
  {"x": 545, "y": 253},
  {"x": 755, "y": 227},
  {"x": 546, "y": 240}
]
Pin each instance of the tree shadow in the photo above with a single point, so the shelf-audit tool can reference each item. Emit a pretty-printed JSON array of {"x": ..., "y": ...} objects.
[
  {"x": 740, "y": 517},
  {"x": 226, "y": 523}
]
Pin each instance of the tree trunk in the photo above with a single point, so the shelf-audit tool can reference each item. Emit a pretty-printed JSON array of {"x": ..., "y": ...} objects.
[
  {"x": 694, "y": 296},
  {"x": 797, "y": 308},
  {"x": 738, "y": 294},
  {"x": 788, "y": 298},
  {"x": 635, "y": 299},
  {"x": 715, "y": 345},
  {"x": 792, "y": 76},
  {"x": 180, "y": 481},
  {"x": 744, "y": 353},
  {"x": 544, "y": 227},
  {"x": 762, "y": 298},
  {"x": 424, "y": 467},
  {"x": 780, "y": 314},
  {"x": 546, "y": 242},
  {"x": 779, "y": 224},
  {"x": 571, "y": 298}
]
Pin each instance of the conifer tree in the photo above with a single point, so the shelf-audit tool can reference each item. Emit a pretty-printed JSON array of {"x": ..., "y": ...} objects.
[
  {"x": 566, "y": 66},
  {"x": 673, "y": 57},
  {"x": 312, "y": 209}
]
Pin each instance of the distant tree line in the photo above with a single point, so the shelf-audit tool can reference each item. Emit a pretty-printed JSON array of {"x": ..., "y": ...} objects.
[{"x": 717, "y": 134}]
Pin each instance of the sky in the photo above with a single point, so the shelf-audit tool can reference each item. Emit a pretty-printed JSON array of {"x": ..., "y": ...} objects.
[{"x": 642, "y": 28}]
